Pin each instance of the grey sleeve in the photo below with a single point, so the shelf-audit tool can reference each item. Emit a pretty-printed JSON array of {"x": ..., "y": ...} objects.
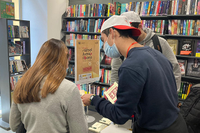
[
  {"x": 167, "y": 51},
  {"x": 15, "y": 117},
  {"x": 115, "y": 65},
  {"x": 75, "y": 113}
]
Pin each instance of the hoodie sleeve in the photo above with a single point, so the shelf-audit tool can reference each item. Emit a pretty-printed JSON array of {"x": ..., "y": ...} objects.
[
  {"x": 115, "y": 65},
  {"x": 169, "y": 54}
]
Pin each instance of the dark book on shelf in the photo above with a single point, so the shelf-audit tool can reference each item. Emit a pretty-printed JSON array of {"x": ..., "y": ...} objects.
[
  {"x": 184, "y": 7},
  {"x": 193, "y": 67},
  {"x": 186, "y": 47}
]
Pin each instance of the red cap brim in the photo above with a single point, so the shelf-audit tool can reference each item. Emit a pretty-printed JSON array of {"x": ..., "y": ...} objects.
[{"x": 136, "y": 31}]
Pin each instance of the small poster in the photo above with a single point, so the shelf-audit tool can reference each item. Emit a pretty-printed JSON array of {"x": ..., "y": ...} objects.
[
  {"x": 7, "y": 10},
  {"x": 87, "y": 60}
]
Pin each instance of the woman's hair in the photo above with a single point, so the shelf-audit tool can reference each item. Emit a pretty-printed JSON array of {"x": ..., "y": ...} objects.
[{"x": 51, "y": 62}]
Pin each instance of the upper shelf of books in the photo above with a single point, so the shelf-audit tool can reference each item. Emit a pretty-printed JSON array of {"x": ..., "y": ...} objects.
[{"x": 170, "y": 9}]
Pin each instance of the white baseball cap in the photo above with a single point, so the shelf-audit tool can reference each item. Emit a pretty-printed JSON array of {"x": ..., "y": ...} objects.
[
  {"x": 132, "y": 16},
  {"x": 121, "y": 23}
]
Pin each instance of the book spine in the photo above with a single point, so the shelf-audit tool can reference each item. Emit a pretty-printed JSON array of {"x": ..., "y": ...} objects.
[
  {"x": 178, "y": 27},
  {"x": 149, "y": 8},
  {"x": 172, "y": 7},
  {"x": 184, "y": 27},
  {"x": 186, "y": 32},
  {"x": 175, "y": 27},
  {"x": 198, "y": 7},
  {"x": 108, "y": 15},
  {"x": 174, "y": 10},
  {"x": 158, "y": 8},
  {"x": 191, "y": 25},
  {"x": 177, "y": 5},
  {"x": 195, "y": 7},
  {"x": 188, "y": 7},
  {"x": 167, "y": 7}
]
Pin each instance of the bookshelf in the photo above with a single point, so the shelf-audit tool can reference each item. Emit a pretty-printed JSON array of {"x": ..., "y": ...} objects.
[
  {"x": 165, "y": 35},
  {"x": 87, "y": 33},
  {"x": 5, "y": 65}
]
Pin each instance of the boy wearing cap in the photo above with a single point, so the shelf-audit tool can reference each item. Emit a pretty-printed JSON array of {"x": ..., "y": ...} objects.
[
  {"x": 146, "y": 83},
  {"x": 146, "y": 38}
]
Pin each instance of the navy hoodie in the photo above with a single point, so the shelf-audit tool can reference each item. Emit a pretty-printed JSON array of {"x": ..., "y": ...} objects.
[{"x": 147, "y": 86}]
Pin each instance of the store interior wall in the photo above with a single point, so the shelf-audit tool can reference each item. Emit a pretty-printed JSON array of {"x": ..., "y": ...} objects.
[{"x": 55, "y": 11}]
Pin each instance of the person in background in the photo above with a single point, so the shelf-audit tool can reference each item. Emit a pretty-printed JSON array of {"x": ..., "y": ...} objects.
[
  {"x": 146, "y": 39},
  {"x": 43, "y": 100},
  {"x": 147, "y": 84}
]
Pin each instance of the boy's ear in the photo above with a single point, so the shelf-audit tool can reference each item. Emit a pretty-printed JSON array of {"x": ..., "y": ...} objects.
[{"x": 140, "y": 26}]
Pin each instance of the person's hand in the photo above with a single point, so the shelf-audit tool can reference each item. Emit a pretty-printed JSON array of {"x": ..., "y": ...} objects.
[{"x": 86, "y": 99}]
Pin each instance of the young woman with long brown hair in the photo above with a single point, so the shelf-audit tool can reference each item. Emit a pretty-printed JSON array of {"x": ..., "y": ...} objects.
[{"x": 43, "y": 100}]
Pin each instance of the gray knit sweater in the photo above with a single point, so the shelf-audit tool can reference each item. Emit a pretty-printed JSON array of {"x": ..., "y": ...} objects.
[
  {"x": 166, "y": 50},
  {"x": 61, "y": 112}
]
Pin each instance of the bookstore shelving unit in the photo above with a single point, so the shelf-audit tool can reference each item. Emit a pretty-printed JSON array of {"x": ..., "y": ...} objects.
[
  {"x": 166, "y": 35},
  {"x": 5, "y": 65}
]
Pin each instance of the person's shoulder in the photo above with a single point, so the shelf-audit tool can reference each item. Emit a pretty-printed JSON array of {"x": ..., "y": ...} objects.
[
  {"x": 67, "y": 86},
  {"x": 162, "y": 40}
]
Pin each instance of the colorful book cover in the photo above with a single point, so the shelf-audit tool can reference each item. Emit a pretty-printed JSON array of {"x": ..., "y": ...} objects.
[
  {"x": 168, "y": 7},
  {"x": 132, "y": 4},
  {"x": 139, "y": 8},
  {"x": 158, "y": 26},
  {"x": 197, "y": 54},
  {"x": 153, "y": 25},
  {"x": 158, "y": 8},
  {"x": 198, "y": 7},
  {"x": 146, "y": 8},
  {"x": 164, "y": 8},
  {"x": 181, "y": 30},
  {"x": 172, "y": 7},
  {"x": 163, "y": 26},
  {"x": 193, "y": 25},
  {"x": 175, "y": 26},
  {"x": 143, "y": 10},
  {"x": 173, "y": 44},
  {"x": 151, "y": 10},
  {"x": 161, "y": 7},
  {"x": 154, "y": 8},
  {"x": 178, "y": 27},
  {"x": 123, "y": 8},
  {"x": 186, "y": 47},
  {"x": 127, "y": 6},
  {"x": 188, "y": 7},
  {"x": 195, "y": 7},
  {"x": 111, "y": 10},
  {"x": 7, "y": 10},
  {"x": 177, "y": 5},
  {"x": 151, "y": 22},
  {"x": 174, "y": 10},
  {"x": 184, "y": 27},
  {"x": 108, "y": 15},
  {"x": 172, "y": 27},
  {"x": 118, "y": 8},
  {"x": 190, "y": 29}
]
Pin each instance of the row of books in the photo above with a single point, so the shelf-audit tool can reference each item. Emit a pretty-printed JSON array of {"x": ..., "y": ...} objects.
[
  {"x": 186, "y": 47},
  {"x": 18, "y": 66},
  {"x": 17, "y": 48},
  {"x": 18, "y": 31},
  {"x": 69, "y": 39},
  {"x": 184, "y": 27},
  {"x": 90, "y": 25},
  {"x": 13, "y": 81},
  {"x": 105, "y": 76},
  {"x": 92, "y": 89},
  {"x": 190, "y": 67},
  {"x": 184, "y": 90},
  {"x": 156, "y": 26},
  {"x": 146, "y": 8}
]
